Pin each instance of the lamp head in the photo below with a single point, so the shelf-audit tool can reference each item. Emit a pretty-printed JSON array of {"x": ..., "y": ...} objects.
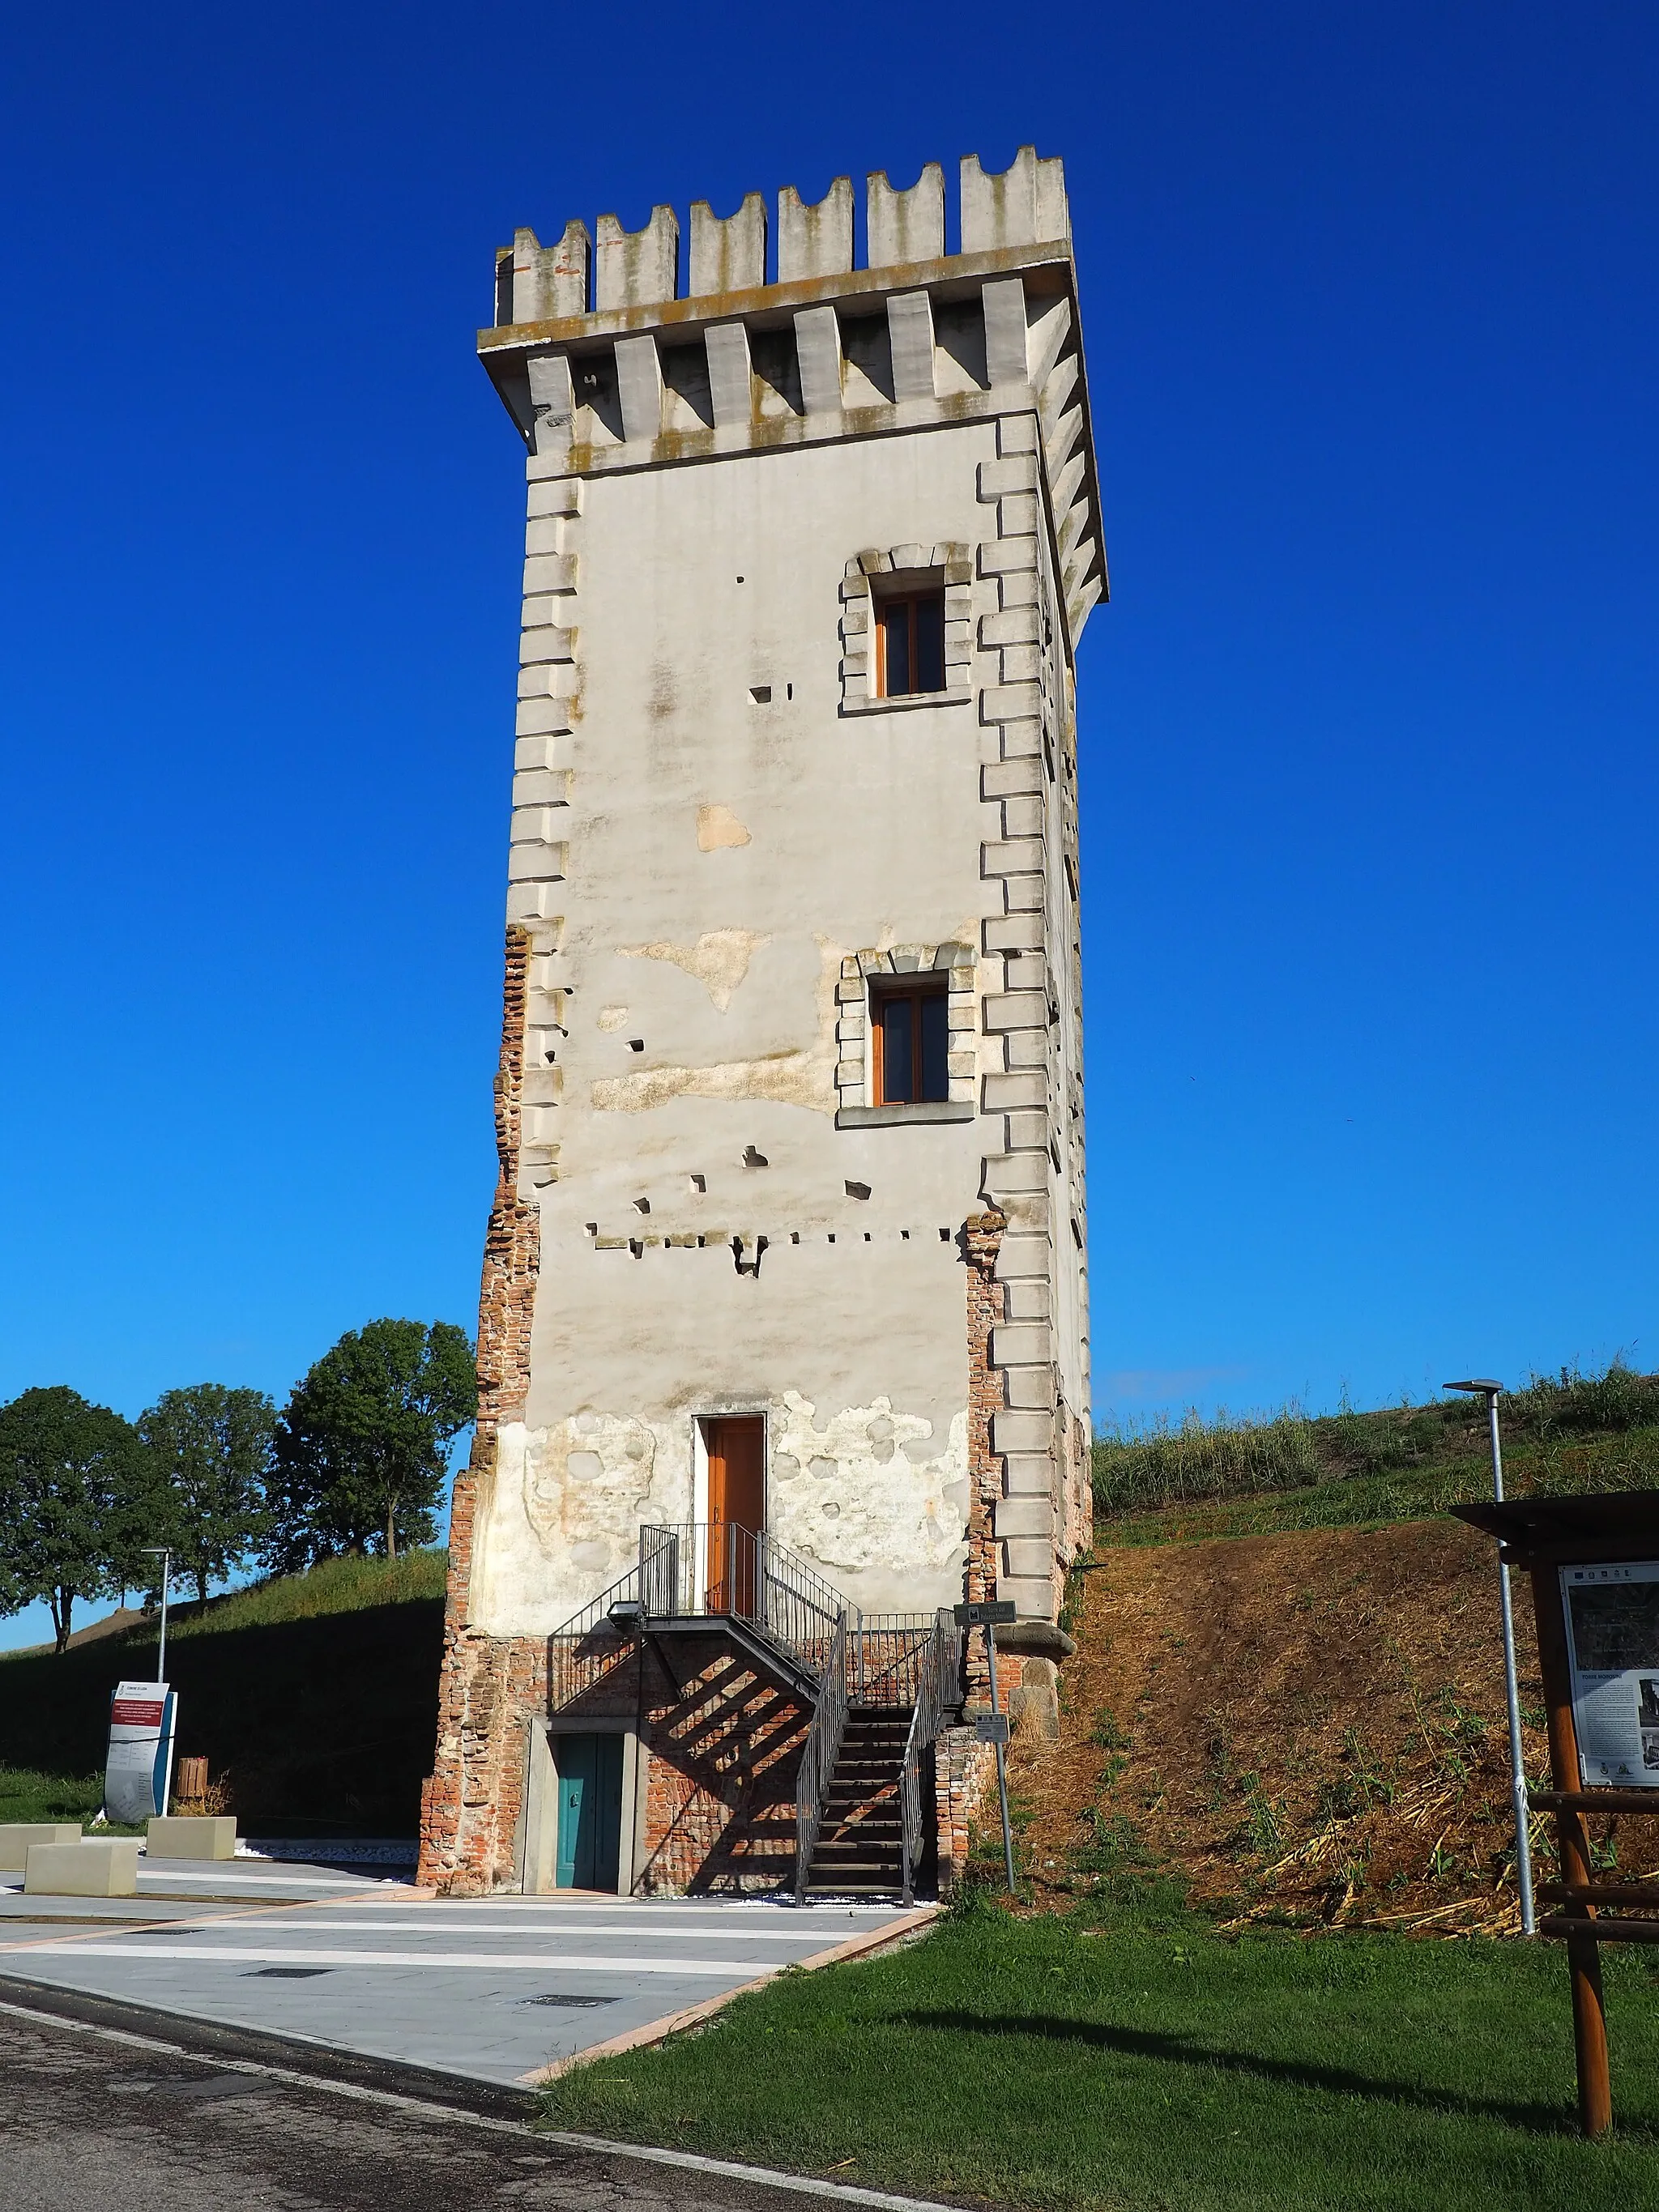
[{"x": 1482, "y": 1385}]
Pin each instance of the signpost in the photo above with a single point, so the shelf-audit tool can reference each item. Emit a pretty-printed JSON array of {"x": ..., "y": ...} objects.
[
  {"x": 1484, "y": 1386},
  {"x": 140, "y": 1760},
  {"x": 993, "y": 1727},
  {"x": 1594, "y": 1563}
]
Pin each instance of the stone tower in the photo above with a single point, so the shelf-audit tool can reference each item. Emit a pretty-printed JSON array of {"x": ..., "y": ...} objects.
[{"x": 790, "y": 1228}]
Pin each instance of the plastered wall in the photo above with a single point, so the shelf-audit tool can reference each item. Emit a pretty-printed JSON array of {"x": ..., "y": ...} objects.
[{"x": 724, "y": 856}]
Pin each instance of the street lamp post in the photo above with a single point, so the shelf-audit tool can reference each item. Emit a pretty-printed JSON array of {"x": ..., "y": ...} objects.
[
  {"x": 1484, "y": 1387},
  {"x": 160, "y": 1551}
]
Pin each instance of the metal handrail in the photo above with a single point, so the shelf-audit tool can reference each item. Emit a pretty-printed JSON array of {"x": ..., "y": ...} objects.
[
  {"x": 884, "y": 1663},
  {"x": 717, "y": 1569},
  {"x": 820, "y": 1754},
  {"x": 585, "y": 1649},
  {"x": 938, "y": 1675}
]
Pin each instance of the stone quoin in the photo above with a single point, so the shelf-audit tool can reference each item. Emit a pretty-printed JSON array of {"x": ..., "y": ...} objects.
[{"x": 783, "y": 1335}]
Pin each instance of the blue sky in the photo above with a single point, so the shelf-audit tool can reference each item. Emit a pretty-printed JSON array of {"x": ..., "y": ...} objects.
[{"x": 1367, "y": 731}]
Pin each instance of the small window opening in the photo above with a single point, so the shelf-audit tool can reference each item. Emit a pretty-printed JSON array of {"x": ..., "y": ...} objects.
[
  {"x": 909, "y": 1030},
  {"x": 909, "y": 644}
]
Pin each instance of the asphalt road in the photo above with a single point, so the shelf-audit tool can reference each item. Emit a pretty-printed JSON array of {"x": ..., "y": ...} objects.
[{"x": 92, "y": 2113}]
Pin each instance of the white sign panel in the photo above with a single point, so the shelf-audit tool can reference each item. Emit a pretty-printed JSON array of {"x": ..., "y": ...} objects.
[
  {"x": 138, "y": 1769},
  {"x": 1613, "y": 1642}
]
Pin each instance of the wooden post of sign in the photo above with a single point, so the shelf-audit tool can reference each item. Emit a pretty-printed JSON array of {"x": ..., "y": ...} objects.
[{"x": 1589, "y": 2015}]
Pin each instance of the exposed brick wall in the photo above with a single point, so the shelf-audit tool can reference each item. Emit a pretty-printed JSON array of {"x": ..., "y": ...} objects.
[
  {"x": 489, "y": 1685},
  {"x": 962, "y": 1766},
  {"x": 965, "y": 1774},
  {"x": 987, "y": 1306},
  {"x": 506, "y": 1299},
  {"x": 724, "y": 1752}
]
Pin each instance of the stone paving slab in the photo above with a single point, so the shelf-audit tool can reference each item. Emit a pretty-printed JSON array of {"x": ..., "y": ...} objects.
[
  {"x": 235, "y": 1881},
  {"x": 498, "y": 1990},
  {"x": 17, "y": 1911}
]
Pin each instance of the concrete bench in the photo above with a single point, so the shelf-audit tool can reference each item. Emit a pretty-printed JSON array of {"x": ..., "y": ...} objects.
[
  {"x": 17, "y": 1837},
  {"x": 187, "y": 1835},
  {"x": 101, "y": 1866}
]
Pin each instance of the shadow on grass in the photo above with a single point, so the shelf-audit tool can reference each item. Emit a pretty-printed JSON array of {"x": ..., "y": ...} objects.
[{"x": 1532, "y": 2118}]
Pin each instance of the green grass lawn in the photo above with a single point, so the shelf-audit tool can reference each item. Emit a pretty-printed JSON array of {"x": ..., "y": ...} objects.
[
  {"x": 1051, "y": 2062},
  {"x": 25, "y": 1794},
  {"x": 1232, "y": 1476}
]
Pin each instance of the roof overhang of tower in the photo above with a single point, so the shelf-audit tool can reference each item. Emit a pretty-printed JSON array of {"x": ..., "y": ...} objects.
[{"x": 647, "y": 380}]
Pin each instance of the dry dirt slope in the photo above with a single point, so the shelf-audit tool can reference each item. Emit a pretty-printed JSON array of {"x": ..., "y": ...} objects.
[{"x": 1307, "y": 1725}]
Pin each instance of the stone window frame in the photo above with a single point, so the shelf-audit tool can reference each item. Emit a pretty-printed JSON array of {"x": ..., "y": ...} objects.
[
  {"x": 957, "y": 961},
  {"x": 921, "y": 566}
]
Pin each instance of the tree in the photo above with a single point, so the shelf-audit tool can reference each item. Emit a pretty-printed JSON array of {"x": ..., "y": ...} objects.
[
  {"x": 214, "y": 1448},
  {"x": 79, "y": 1500},
  {"x": 361, "y": 1445}
]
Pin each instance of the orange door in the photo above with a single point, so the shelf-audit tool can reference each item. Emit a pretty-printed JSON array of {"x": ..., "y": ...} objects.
[{"x": 737, "y": 1511}]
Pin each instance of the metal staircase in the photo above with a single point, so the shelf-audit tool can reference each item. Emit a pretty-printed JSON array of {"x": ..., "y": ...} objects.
[
  {"x": 878, "y": 1686},
  {"x": 858, "y": 1850}
]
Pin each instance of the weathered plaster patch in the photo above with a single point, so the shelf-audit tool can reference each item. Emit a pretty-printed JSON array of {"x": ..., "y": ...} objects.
[
  {"x": 720, "y": 959},
  {"x": 717, "y": 826},
  {"x": 841, "y": 1494},
  {"x": 792, "y": 1078},
  {"x": 612, "y": 1017},
  {"x": 586, "y": 1485}
]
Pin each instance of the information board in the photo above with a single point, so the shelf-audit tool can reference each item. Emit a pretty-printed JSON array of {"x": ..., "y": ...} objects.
[
  {"x": 1612, "y": 1643},
  {"x": 140, "y": 1762}
]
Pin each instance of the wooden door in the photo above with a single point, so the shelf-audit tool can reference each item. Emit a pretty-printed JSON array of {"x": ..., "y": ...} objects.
[
  {"x": 736, "y": 1511},
  {"x": 590, "y": 1811}
]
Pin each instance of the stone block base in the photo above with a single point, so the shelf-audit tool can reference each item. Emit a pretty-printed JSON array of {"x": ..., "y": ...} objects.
[
  {"x": 182, "y": 1836},
  {"x": 17, "y": 1836},
  {"x": 106, "y": 1867}
]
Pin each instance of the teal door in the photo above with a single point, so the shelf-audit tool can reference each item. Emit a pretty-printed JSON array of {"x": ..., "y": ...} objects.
[{"x": 590, "y": 1810}]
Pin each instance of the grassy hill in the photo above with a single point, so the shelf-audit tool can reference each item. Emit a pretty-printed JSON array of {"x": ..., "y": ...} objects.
[
  {"x": 1288, "y": 1702},
  {"x": 312, "y": 1697},
  {"x": 1564, "y": 1433}
]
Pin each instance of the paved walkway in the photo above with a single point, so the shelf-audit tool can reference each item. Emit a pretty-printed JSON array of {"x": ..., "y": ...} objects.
[
  {"x": 493, "y": 1989},
  {"x": 167, "y": 1885}
]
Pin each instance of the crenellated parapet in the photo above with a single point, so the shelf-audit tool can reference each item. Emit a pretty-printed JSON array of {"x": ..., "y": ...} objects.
[{"x": 617, "y": 350}]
